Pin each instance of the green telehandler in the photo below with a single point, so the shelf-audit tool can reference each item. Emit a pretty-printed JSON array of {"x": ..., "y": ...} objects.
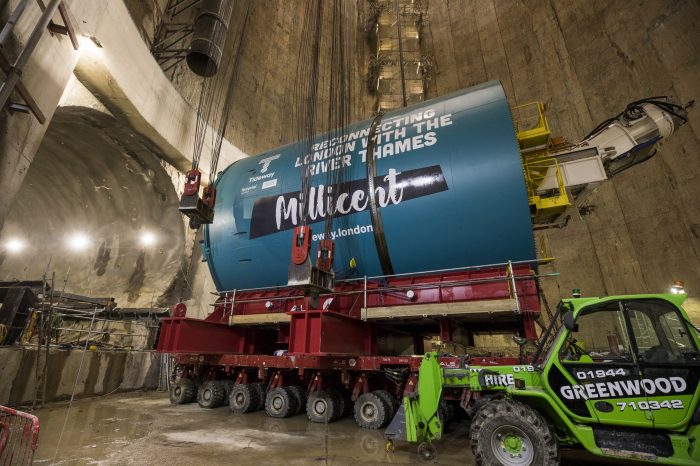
[{"x": 617, "y": 376}]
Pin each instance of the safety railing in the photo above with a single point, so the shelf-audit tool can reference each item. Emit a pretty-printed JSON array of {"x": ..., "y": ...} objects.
[
  {"x": 381, "y": 284},
  {"x": 19, "y": 436},
  {"x": 536, "y": 173},
  {"x": 531, "y": 125},
  {"x": 538, "y": 170}
]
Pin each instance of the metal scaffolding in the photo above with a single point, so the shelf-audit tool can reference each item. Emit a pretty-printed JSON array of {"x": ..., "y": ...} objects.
[
  {"x": 12, "y": 69},
  {"x": 399, "y": 64},
  {"x": 171, "y": 41}
]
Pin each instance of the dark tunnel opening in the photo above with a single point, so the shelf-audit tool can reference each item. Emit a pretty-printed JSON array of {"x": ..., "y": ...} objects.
[{"x": 99, "y": 209}]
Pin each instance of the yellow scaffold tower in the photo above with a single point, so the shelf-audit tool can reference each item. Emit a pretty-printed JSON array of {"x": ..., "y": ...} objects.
[{"x": 534, "y": 140}]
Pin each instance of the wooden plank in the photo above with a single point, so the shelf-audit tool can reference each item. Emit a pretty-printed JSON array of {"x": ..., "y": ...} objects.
[
  {"x": 467, "y": 308},
  {"x": 443, "y": 309},
  {"x": 63, "y": 10},
  {"x": 260, "y": 319}
]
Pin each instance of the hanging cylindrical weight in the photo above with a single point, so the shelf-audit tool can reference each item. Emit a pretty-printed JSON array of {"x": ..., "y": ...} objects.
[{"x": 209, "y": 37}]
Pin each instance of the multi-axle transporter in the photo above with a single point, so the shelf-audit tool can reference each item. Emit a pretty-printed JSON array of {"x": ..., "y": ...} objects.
[
  {"x": 428, "y": 195},
  {"x": 322, "y": 361}
]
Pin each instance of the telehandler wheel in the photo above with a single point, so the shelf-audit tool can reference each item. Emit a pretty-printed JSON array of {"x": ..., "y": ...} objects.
[
  {"x": 211, "y": 394},
  {"x": 371, "y": 411},
  {"x": 244, "y": 398},
  {"x": 280, "y": 402},
  {"x": 182, "y": 391},
  {"x": 509, "y": 433}
]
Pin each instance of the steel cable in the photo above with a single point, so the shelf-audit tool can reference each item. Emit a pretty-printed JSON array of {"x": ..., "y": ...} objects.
[
  {"x": 216, "y": 99},
  {"x": 323, "y": 101}
]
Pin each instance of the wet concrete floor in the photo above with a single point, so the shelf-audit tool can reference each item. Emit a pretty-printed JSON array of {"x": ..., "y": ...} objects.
[{"x": 143, "y": 428}]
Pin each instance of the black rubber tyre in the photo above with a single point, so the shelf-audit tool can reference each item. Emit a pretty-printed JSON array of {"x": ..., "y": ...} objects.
[
  {"x": 280, "y": 402},
  {"x": 211, "y": 394},
  {"x": 371, "y": 411},
  {"x": 323, "y": 406},
  {"x": 451, "y": 411},
  {"x": 261, "y": 389},
  {"x": 389, "y": 400},
  {"x": 244, "y": 398},
  {"x": 509, "y": 433},
  {"x": 446, "y": 412},
  {"x": 300, "y": 395},
  {"x": 182, "y": 391},
  {"x": 349, "y": 405},
  {"x": 339, "y": 403},
  {"x": 478, "y": 404},
  {"x": 228, "y": 386}
]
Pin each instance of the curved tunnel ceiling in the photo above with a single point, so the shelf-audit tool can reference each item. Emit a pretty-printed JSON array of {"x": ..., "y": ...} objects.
[{"x": 94, "y": 179}]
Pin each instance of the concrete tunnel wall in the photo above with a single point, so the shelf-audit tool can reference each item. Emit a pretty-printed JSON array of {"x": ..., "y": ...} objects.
[
  {"x": 641, "y": 233},
  {"x": 586, "y": 61},
  {"x": 95, "y": 177},
  {"x": 101, "y": 373},
  {"x": 261, "y": 118},
  {"x": 115, "y": 161},
  {"x": 107, "y": 162}
]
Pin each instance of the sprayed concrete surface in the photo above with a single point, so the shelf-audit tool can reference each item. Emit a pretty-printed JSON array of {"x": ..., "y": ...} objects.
[
  {"x": 143, "y": 428},
  {"x": 102, "y": 372}
]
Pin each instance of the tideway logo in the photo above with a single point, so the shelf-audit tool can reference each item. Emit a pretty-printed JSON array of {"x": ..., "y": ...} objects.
[
  {"x": 267, "y": 161},
  {"x": 267, "y": 176},
  {"x": 278, "y": 213}
]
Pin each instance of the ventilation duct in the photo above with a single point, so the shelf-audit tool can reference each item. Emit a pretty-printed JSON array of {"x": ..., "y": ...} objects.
[{"x": 209, "y": 37}]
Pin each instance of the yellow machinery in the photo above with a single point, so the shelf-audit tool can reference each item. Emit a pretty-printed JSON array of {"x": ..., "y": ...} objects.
[
  {"x": 534, "y": 139},
  {"x": 557, "y": 175}
]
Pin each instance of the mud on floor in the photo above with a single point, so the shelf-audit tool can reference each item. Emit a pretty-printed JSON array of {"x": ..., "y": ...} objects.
[{"x": 144, "y": 428}]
